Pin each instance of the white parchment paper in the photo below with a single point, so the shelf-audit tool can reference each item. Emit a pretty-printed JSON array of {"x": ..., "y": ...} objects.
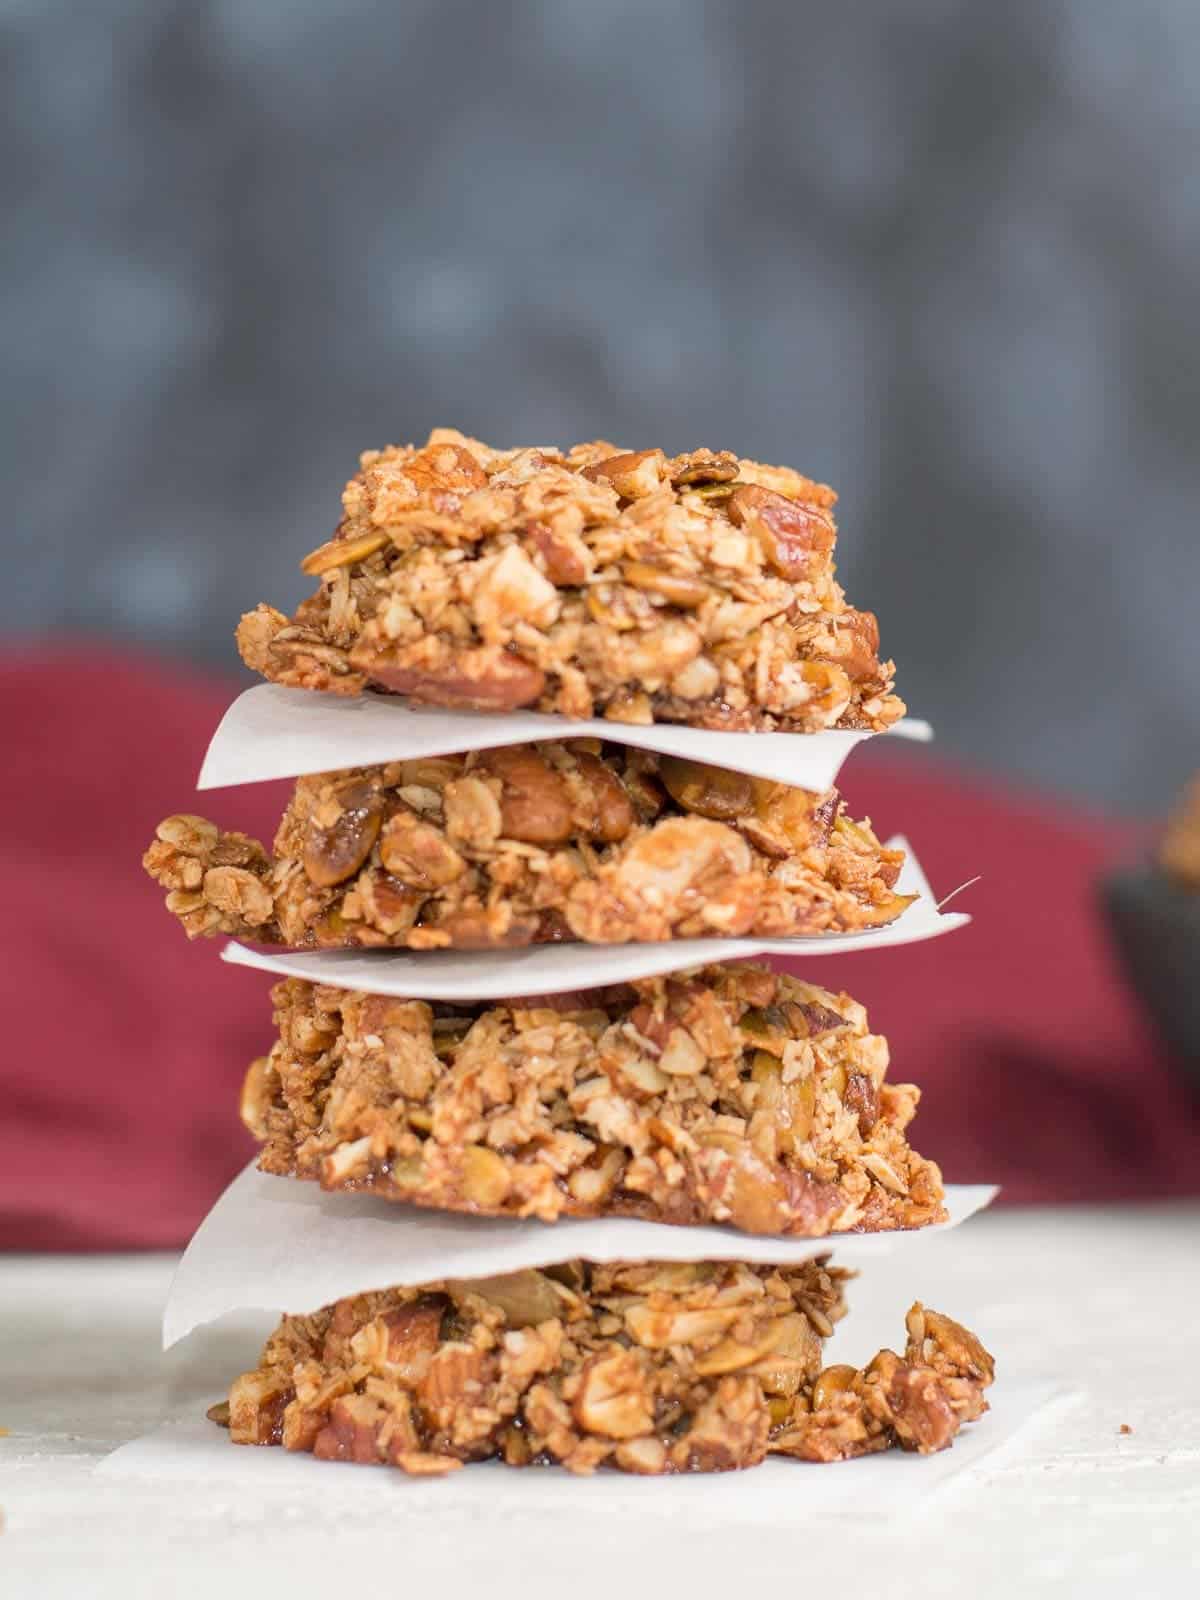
[
  {"x": 777, "y": 1494},
  {"x": 274, "y": 732},
  {"x": 278, "y": 1244},
  {"x": 556, "y": 968}
]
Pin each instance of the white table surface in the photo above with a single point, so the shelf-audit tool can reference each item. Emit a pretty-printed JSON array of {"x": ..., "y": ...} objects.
[{"x": 1106, "y": 1303}]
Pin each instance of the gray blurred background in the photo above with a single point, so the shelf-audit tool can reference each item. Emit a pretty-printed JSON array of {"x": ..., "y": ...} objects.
[{"x": 942, "y": 254}]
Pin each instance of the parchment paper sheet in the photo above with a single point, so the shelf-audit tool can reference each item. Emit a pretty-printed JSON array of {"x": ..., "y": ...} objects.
[
  {"x": 273, "y": 732},
  {"x": 279, "y": 1244},
  {"x": 778, "y": 1493}
]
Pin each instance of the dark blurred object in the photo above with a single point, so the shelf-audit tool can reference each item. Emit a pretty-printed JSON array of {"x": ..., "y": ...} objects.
[
  {"x": 1156, "y": 926},
  {"x": 1154, "y": 912},
  {"x": 124, "y": 1046},
  {"x": 1178, "y": 851},
  {"x": 1038, "y": 1066}
]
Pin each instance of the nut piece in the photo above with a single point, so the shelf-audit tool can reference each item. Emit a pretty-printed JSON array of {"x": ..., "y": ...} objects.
[
  {"x": 352, "y": 1432},
  {"x": 706, "y": 466},
  {"x": 832, "y": 1381},
  {"x": 413, "y": 1333},
  {"x": 685, "y": 870},
  {"x": 697, "y": 681},
  {"x": 790, "y": 1106},
  {"x": 425, "y": 1464},
  {"x": 417, "y": 853},
  {"x": 633, "y": 473},
  {"x": 485, "y": 1180},
  {"x": 862, "y": 1095},
  {"x": 453, "y": 1382},
  {"x": 752, "y": 1191},
  {"x": 676, "y": 588},
  {"x": 819, "y": 686},
  {"x": 613, "y": 1398},
  {"x": 708, "y": 791},
  {"x": 657, "y": 1327},
  {"x": 857, "y": 643},
  {"x": 795, "y": 538},
  {"x": 342, "y": 832},
  {"x": 682, "y": 1056},
  {"x": 729, "y": 1430},
  {"x": 911, "y": 1401},
  {"x": 342, "y": 553},
  {"x": 442, "y": 474},
  {"x": 257, "y": 1401},
  {"x": 601, "y": 799},
  {"x": 256, "y": 1097},
  {"x": 475, "y": 928},
  {"x": 646, "y": 1455},
  {"x": 794, "y": 1356},
  {"x": 512, "y": 590},
  {"x": 526, "y": 1298},
  {"x": 565, "y": 559},
  {"x": 489, "y": 678},
  {"x": 733, "y": 1354},
  {"x": 534, "y": 804}
]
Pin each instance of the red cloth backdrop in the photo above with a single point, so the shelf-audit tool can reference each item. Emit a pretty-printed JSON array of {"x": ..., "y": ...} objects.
[{"x": 124, "y": 1045}]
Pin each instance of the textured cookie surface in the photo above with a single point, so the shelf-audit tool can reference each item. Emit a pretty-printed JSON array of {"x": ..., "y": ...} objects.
[
  {"x": 731, "y": 1094},
  {"x": 532, "y": 843},
  {"x": 697, "y": 588},
  {"x": 647, "y": 1367}
]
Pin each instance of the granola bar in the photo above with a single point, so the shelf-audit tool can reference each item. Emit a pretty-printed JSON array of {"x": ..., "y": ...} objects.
[
  {"x": 697, "y": 588},
  {"x": 728, "y": 1094},
  {"x": 1179, "y": 848},
  {"x": 533, "y": 843},
  {"x": 649, "y": 1368}
]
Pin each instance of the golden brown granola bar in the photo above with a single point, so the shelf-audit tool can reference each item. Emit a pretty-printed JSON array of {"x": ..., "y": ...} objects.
[
  {"x": 650, "y": 1368},
  {"x": 532, "y": 843},
  {"x": 696, "y": 588},
  {"x": 728, "y": 1094}
]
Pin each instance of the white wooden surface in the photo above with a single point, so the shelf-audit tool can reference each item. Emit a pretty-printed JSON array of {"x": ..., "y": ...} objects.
[{"x": 1105, "y": 1303}]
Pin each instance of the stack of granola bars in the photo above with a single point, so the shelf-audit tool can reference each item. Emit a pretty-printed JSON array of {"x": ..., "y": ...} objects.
[{"x": 610, "y": 592}]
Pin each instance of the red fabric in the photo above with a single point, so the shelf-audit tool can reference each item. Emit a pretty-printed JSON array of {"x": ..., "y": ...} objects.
[
  {"x": 1039, "y": 1069},
  {"x": 124, "y": 1045}
]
